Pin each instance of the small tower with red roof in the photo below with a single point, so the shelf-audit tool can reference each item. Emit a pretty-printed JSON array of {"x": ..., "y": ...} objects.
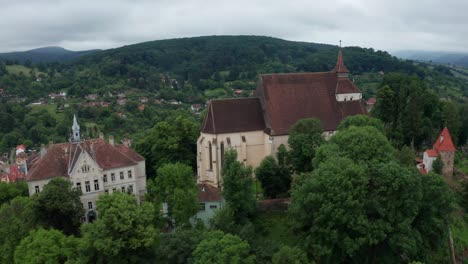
[
  {"x": 345, "y": 89},
  {"x": 443, "y": 148}
]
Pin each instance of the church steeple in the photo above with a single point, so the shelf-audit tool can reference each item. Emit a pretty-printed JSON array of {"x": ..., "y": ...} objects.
[
  {"x": 76, "y": 130},
  {"x": 340, "y": 67}
]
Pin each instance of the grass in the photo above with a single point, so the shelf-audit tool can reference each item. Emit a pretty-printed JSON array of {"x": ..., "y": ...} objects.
[
  {"x": 276, "y": 227},
  {"x": 17, "y": 69},
  {"x": 52, "y": 109}
]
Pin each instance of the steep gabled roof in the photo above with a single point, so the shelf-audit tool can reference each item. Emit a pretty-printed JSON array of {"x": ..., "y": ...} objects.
[
  {"x": 208, "y": 193},
  {"x": 344, "y": 85},
  {"x": 233, "y": 115},
  {"x": 340, "y": 66},
  {"x": 444, "y": 141}
]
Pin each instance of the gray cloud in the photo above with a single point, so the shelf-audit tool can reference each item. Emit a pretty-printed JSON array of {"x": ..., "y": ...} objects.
[{"x": 86, "y": 24}]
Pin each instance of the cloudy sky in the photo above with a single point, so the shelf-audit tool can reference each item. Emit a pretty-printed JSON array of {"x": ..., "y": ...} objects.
[{"x": 85, "y": 24}]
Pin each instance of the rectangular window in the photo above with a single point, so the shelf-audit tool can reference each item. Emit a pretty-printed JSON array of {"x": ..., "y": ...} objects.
[
  {"x": 36, "y": 188},
  {"x": 104, "y": 178},
  {"x": 202, "y": 206},
  {"x": 106, "y": 191},
  {"x": 210, "y": 155},
  {"x": 121, "y": 175},
  {"x": 90, "y": 205},
  {"x": 112, "y": 176},
  {"x": 87, "y": 186},
  {"x": 129, "y": 174},
  {"x": 122, "y": 189},
  {"x": 213, "y": 206},
  {"x": 78, "y": 186},
  {"x": 130, "y": 189},
  {"x": 222, "y": 152},
  {"x": 96, "y": 185}
]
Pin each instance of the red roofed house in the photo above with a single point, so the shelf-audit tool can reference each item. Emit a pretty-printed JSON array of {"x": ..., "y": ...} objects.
[
  {"x": 443, "y": 148},
  {"x": 257, "y": 126},
  {"x": 94, "y": 166}
]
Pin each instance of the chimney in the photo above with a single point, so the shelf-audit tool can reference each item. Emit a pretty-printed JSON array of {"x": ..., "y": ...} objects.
[
  {"x": 127, "y": 142},
  {"x": 101, "y": 135},
  {"x": 111, "y": 140},
  {"x": 43, "y": 150}
]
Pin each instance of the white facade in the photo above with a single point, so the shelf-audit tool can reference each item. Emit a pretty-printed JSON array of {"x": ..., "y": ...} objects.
[
  {"x": 427, "y": 161},
  {"x": 348, "y": 97}
]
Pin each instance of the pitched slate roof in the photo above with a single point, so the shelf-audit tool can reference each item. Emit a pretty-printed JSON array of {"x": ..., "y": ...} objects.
[
  {"x": 284, "y": 99},
  {"x": 233, "y": 115},
  {"x": 208, "y": 193},
  {"x": 60, "y": 159},
  {"x": 444, "y": 141}
]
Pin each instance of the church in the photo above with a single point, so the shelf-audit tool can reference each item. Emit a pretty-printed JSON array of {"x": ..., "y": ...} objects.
[
  {"x": 93, "y": 166},
  {"x": 257, "y": 126}
]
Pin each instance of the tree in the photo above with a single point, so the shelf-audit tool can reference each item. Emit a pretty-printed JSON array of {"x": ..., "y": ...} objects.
[
  {"x": 237, "y": 186},
  {"x": 175, "y": 185},
  {"x": 356, "y": 207},
  {"x": 18, "y": 220},
  {"x": 221, "y": 248},
  {"x": 360, "y": 121},
  {"x": 169, "y": 142},
  {"x": 177, "y": 247},
  {"x": 124, "y": 231},
  {"x": 406, "y": 156},
  {"x": 275, "y": 179},
  {"x": 9, "y": 191},
  {"x": 46, "y": 246},
  {"x": 289, "y": 255},
  {"x": 60, "y": 200},
  {"x": 438, "y": 165},
  {"x": 304, "y": 138}
]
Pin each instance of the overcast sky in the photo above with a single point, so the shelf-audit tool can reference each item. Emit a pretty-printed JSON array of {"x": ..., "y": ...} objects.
[{"x": 85, "y": 24}]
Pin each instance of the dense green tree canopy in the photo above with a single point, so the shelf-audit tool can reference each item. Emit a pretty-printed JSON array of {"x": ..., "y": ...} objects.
[
  {"x": 175, "y": 185},
  {"x": 360, "y": 121},
  {"x": 275, "y": 179},
  {"x": 220, "y": 248},
  {"x": 9, "y": 191},
  {"x": 237, "y": 186},
  {"x": 177, "y": 247},
  {"x": 289, "y": 255},
  {"x": 46, "y": 246},
  {"x": 124, "y": 231},
  {"x": 304, "y": 138},
  {"x": 60, "y": 200}
]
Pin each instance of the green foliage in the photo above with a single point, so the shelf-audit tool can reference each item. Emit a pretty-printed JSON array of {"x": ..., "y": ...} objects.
[
  {"x": 438, "y": 165},
  {"x": 406, "y": 156},
  {"x": 60, "y": 200},
  {"x": 124, "y": 232},
  {"x": 361, "y": 121},
  {"x": 46, "y": 246},
  {"x": 289, "y": 255},
  {"x": 9, "y": 191},
  {"x": 17, "y": 218},
  {"x": 275, "y": 179},
  {"x": 175, "y": 185},
  {"x": 237, "y": 186},
  {"x": 220, "y": 248},
  {"x": 177, "y": 247},
  {"x": 304, "y": 138},
  {"x": 359, "y": 205},
  {"x": 169, "y": 142}
]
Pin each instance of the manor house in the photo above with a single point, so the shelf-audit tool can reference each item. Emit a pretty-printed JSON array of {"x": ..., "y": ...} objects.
[
  {"x": 257, "y": 126},
  {"x": 93, "y": 166}
]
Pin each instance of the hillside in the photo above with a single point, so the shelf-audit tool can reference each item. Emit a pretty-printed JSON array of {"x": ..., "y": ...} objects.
[
  {"x": 44, "y": 55},
  {"x": 439, "y": 57}
]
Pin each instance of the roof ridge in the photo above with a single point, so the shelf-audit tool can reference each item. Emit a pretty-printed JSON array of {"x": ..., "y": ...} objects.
[{"x": 212, "y": 118}]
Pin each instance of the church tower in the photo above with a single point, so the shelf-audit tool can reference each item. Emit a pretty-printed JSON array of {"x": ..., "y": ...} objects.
[
  {"x": 76, "y": 130},
  {"x": 345, "y": 89}
]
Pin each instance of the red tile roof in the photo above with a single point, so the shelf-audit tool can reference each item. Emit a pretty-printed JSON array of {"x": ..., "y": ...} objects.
[
  {"x": 233, "y": 115},
  {"x": 344, "y": 85},
  {"x": 371, "y": 101},
  {"x": 432, "y": 153},
  {"x": 340, "y": 66},
  {"x": 444, "y": 141},
  {"x": 208, "y": 193},
  {"x": 60, "y": 159}
]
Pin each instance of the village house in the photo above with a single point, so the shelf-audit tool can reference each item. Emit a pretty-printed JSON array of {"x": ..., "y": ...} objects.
[
  {"x": 370, "y": 103},
  {"x": 91, "y": 97},
  {"x": 256, "y": 127},
  {"x": 209, "y": 201},
  {"x": 444, "y": 149},
  {"x": 94, "y": 166}
]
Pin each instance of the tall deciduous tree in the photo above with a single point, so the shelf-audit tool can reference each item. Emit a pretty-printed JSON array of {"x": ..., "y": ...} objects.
[
  {"x": 18, "y": 220},
  {"x": 304, "y": 138},
  {"x": 289, "y": 255},
  {"x": 59, "y": 206},
  {"x": 220, "y": 248},
  {"x": 46, "y": 246},
  {"x": 124, "y": 231},
  {"x": 275, "y": 179},
  {"x": 175, "y": 185},
  {"x": 237, "y": 186},
  {"x": 169, "y": 142},
  {"x": 9, "y": 191}
]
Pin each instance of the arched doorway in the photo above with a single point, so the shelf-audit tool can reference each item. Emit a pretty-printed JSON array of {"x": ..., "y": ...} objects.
[{"x": 91, "y": 216}]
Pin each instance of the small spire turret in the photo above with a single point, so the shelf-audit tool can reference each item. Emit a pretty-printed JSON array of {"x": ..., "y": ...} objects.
[{"x": 76, "y": 130}]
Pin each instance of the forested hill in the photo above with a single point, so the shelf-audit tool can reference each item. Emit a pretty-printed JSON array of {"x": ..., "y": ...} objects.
[{"x": 43, "y": 55}]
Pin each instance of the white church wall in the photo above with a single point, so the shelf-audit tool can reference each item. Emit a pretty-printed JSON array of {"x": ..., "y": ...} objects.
[{"x": 348, "y": 97}]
